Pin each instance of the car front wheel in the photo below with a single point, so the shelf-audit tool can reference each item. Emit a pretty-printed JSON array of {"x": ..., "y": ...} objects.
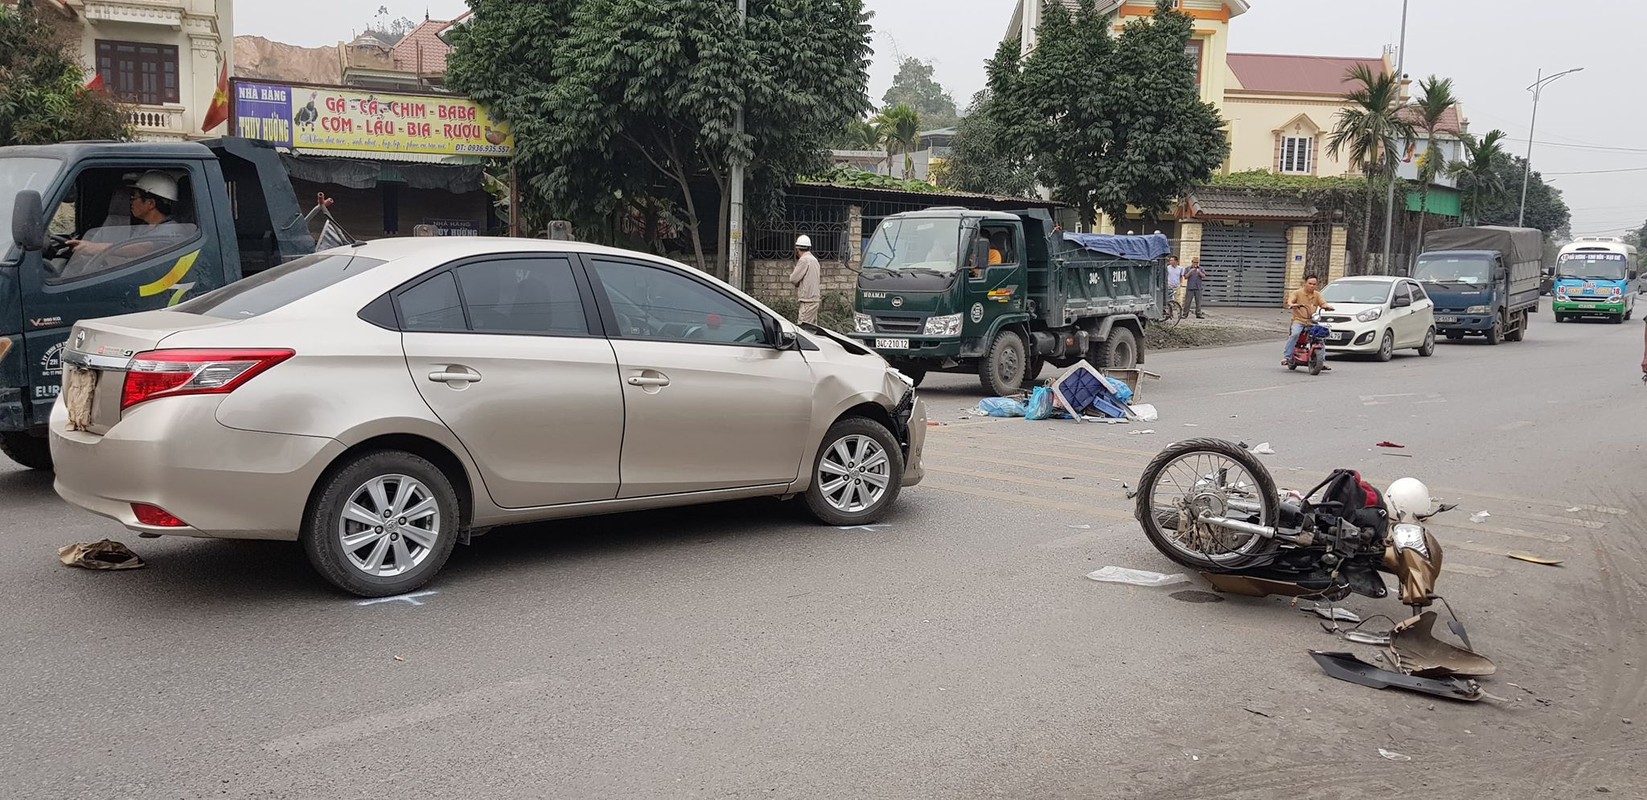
[
  {"x": 382, "y": 525},
  {"x": 857, "y": 474}
]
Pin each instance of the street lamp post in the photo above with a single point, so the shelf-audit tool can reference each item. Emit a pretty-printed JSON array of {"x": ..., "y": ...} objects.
[
  {"x": 1527, "y": 175},
  {"x": 1389, "y": 196}
]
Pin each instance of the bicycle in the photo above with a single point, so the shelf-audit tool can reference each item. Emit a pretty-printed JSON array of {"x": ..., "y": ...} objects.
[{"x": 1171, "y": 312}]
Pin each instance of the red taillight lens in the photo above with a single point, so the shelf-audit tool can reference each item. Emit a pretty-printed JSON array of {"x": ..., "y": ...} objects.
[
  {"x": 170, "y": 373},
  {"x": 156, "y": 517}
]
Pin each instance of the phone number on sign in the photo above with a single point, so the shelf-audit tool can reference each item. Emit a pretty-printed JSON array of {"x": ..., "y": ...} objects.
[{"x": 491, "y": 149}]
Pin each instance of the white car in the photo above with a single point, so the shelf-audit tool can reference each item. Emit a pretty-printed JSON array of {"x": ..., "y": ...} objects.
[{"x": 1378, "y": 315}]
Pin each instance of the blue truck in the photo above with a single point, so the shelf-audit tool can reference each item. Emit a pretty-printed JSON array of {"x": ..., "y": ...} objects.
[{"x": 1484, "y": 280}]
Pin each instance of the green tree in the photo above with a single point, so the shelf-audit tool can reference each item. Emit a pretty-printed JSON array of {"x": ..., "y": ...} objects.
[
  {"x": 985, "y": 157},
  {"x": 1637, "y": 236},
  {"x": 1061, "y": 106},
  {"x": 615, "y": 99},
  {"x": 1480, "y": 173},
  {"x": 857, "y": 135},
  {"x": 43, "y": 98},
  {"x": 900, "y": 130},
  {"x": 913, "y": 86},
  {"x": 1546, "y": 209},
  {"x": 1371, "y": 130},
  {"x": 1434, "y": 101}
]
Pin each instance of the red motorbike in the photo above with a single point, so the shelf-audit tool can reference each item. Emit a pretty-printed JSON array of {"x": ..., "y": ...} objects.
[{"x": 1311, "y": 348}]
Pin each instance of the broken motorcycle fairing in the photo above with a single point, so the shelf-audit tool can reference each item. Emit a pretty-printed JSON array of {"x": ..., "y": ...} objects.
[{"x": 1212, "y": 506}]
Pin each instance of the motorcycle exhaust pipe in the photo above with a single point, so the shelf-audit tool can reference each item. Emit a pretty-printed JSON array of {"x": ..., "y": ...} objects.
[{"x": 1242, "y": 526}]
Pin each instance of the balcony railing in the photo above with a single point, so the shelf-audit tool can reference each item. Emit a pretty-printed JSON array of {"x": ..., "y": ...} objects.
[{"x": 157, "y": 121}]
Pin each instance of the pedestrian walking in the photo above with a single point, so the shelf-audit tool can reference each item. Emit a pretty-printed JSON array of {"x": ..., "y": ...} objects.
[
  {"x": 1194, "y": 280},
  {"x": 807, "y": 279}
]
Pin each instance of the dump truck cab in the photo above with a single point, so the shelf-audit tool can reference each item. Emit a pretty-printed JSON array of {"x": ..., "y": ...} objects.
[{"x": 79, "y": 250}]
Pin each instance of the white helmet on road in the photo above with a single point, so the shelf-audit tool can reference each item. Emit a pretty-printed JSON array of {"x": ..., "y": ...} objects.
[
  {"x": 803, "y": 242},
  {"x": 1409, "y": 499}
]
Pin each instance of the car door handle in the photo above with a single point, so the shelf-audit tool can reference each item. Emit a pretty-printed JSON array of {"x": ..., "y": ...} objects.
[
  {"x": 454, "y": 377},
  {"x": 642, "y": 380}
]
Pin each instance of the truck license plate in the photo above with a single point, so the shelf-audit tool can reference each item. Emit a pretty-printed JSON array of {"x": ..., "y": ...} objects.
[
  {"x": 1446, "y": 319},
  {"x": 891, "y": 344}
]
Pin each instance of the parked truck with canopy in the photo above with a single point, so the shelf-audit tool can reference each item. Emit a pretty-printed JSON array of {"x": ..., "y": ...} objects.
[{"x": 1000, "y": 294}]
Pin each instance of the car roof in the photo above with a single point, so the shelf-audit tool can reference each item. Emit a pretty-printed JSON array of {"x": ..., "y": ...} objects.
[
  {"x": 454, "y": 247},
  {"x": 1371, "y": 279}
]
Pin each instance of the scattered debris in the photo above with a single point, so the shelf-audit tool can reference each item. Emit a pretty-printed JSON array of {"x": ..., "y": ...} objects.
[
  {"x": 1418, "y": 653},
  {"x": 1082, "y": 527},
  {"x": 1002, "y": 407},
  {"x": 1142, "y": 433},
  {"x": 1392, "y": 444},
  {"x": 1399, "y": 455},
  {"x": 1263, "y": 449},
  {"x": 1191, "y": 425},
  {"x": 1346, "y": 667},
  {"x": 1574, "y": 510},
  {"x": 1394, "y": 756},
  {"x": 1145, "y": 412},
  {"x": 400, "y": 658},
  {"x": 105, "y": 554},
  {"x": 1331, "y": 612},
  {"x": 1259, "y": 713},
  {"x": 1479, "y": 516},
  {"x": 1532, "y": 559},
  {"x": 1365, "y": 637},
  {"x": 1136, "y": 577}
]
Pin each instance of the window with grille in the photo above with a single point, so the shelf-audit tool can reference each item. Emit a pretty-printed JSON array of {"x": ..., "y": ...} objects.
[
  {"x": 1192, "y": 51},
  {"x": 1298, "y": 155},
  {"x": 139, "y": 72}
]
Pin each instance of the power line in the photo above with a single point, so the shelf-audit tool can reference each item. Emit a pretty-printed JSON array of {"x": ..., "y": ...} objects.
[
  {"x": 1598, "y": 148},
  {"x": 1598, "y": 171}
]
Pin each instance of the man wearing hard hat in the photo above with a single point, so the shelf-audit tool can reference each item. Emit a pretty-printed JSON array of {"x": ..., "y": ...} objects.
[
  {"x": 807, "y": 278},
  {"x": 154, "y": 199}
]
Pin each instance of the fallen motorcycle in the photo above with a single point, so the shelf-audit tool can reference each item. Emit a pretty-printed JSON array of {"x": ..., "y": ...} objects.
[{"x": 1210, "y": 505}]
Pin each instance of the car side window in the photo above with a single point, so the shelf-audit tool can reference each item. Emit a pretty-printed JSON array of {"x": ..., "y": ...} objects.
[
  {"x": 432, "y": 306},
  {"x": 661, "y": 304},
  {"x": 530, "y": 295},
  {"x": 1418, "y": 292}
]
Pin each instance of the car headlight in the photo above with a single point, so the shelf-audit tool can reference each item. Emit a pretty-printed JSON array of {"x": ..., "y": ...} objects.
[
  {"x": 947, "y": 325},
  {"x": 861, "y": 323},
  {"x": 1369, "y": 315},
  {"x": 1479, "y": 310}
]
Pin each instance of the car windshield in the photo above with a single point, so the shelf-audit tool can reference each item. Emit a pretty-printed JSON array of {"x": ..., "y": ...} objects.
[
  {"x": 1468, "y": 270},
  {"x": 1592, "y": 266},
  {"x": 916, "y": 244},
  {"x": 21, "y": 174},
  {"x": 1363, "y": 292},
  {"x": 274, "y": 288}
]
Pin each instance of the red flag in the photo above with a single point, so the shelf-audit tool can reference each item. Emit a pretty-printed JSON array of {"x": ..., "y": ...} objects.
[
  {"x": 218, "y": 113},
  {"x": 95, "y": 84}
]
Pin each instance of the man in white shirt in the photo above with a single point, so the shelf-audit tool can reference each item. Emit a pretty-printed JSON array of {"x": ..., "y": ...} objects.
[{"x": 807, "y": 278}]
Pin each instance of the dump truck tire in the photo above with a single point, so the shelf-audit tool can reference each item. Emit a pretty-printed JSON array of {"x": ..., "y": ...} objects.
[
  {"x": 26, "y": 449},
  {"x": 1005, "y": 368},
  {"x": 1119, "y": 351}
]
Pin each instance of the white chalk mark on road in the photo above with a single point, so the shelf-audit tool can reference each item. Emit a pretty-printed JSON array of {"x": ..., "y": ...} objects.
[{"x": 409, "y": 598}]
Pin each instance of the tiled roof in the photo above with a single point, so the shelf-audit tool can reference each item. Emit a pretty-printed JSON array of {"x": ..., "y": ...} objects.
[
  {"x": 1451, "y": 122},
  {"x": 1297, "y": 74},
  {"x": 425, "y": 40},
  {"x": 1238, "y": 204}
]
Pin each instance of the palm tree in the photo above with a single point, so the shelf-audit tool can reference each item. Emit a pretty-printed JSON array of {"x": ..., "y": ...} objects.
[
  {"x": 1371, "y": 129},
  {"x": 1478, "y": 172},
  {"x": 859, "y": 134},
  {"x": 900, "y": 130},
  {"x": 1431, "y": 108}
]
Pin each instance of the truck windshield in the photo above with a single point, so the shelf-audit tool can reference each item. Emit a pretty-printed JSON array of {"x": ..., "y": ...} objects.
[
  {"x": 915, "y": 244},
  {"x": 1592, "y": 266},
  {"x": 21, "y": 174},
  {"x": 1468, "y": 270}
]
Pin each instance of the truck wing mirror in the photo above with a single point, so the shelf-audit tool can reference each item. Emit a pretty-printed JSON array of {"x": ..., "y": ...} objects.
[{"x": 28, "y": 221}]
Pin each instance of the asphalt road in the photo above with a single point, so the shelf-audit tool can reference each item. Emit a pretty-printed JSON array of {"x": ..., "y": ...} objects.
[{"x": 956, "y": 651}]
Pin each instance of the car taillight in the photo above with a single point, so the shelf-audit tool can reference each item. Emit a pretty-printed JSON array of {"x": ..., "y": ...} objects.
[{"x": 171, "y": 373}]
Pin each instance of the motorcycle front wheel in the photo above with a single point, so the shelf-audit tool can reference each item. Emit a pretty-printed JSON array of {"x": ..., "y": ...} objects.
[
  {"x": 1318, "y": 359},
  {"x": 1207, "y": 478}
]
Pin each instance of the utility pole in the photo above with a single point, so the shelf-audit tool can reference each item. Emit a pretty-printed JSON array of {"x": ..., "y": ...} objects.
[
  {"x": 1527, "y": 175},
  {"x": 734, "y": 234},
  {"x": 1389, "y": 197}
]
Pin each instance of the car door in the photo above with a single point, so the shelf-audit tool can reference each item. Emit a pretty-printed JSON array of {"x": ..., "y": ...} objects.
[
  {"x": 710, "y": 402},
  {"x": 504, "y": 352},
  {"x": 1401, "y": 314},
  {"x": 1423, "y": 316}
]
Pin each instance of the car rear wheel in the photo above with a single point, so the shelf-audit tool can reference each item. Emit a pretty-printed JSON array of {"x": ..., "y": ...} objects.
[
  {"x": 26, "y": 449},
  {"x": 382, "y": 525},
  {"x": 857, "y": 473}
]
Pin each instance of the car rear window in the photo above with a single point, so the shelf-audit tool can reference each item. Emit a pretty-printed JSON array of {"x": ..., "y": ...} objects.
[{"x": 274, "y": 288}]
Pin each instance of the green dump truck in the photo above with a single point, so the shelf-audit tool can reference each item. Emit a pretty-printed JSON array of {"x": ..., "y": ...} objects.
[{"x": 1001, "y": 294}]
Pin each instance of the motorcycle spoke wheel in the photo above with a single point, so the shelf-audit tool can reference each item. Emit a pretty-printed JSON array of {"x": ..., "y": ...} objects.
[{"x": 1202, "y": 483}]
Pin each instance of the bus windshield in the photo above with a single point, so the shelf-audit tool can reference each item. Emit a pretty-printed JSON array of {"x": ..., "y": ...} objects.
[
  {"x": 1468, "y": 270},
  {"x": 916, "y": 244},
  {"x": 1592, "y": 266}
]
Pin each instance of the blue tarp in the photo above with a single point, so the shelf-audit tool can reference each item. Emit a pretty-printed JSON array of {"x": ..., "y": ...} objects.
[{"x": 1138, "y": 248}]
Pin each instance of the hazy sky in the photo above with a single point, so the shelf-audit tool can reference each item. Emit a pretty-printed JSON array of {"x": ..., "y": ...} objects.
[{"x": 1492, "y": 50}]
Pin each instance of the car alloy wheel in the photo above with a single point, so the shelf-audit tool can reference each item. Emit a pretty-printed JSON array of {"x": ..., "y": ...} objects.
[
  {"x": 389, "y": 525},
  {"x": 854, "y": 474}
]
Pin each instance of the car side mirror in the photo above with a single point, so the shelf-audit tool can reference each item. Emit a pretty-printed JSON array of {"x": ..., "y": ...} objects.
[
  {"x": 787, "y": 340},
  {"x": 28, "y": 221},
  {"x": 1401, "y": 302}
]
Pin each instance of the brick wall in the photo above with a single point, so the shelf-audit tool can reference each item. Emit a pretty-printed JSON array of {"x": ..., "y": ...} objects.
[{"x": 769, "y": 279}]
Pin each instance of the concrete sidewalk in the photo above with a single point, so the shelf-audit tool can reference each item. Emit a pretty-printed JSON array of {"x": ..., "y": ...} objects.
[{"x": 1244, "y": 317}]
